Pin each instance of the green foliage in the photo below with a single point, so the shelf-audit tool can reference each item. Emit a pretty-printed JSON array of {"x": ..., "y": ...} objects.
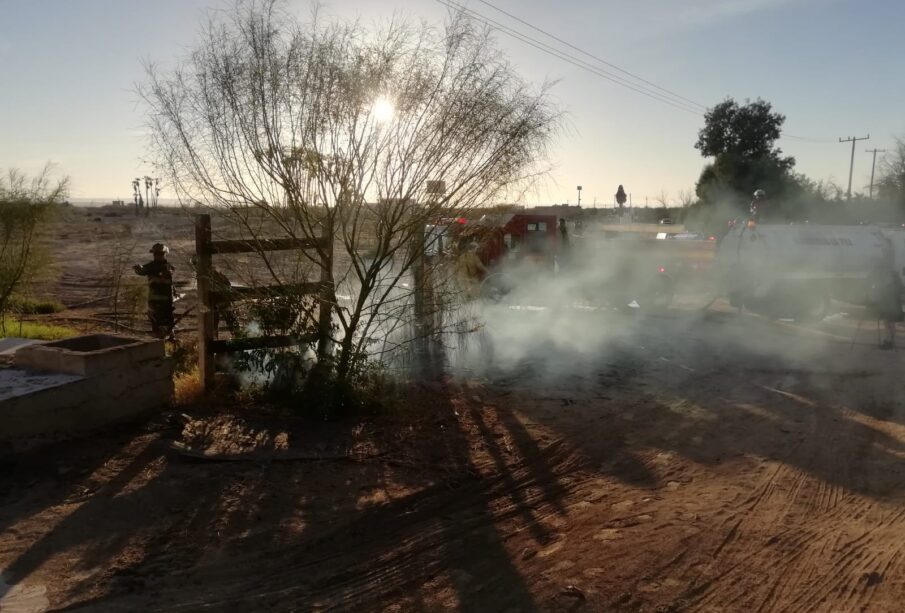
[
  {"x": 369, "y": 389},
  {"x": 31, "y": 306},
  {"x": 741, "y": 140},
  {"x": 34, "y": 330},
  {"x": 184, "y": 356},
  {"x": 25, "y": 205}
]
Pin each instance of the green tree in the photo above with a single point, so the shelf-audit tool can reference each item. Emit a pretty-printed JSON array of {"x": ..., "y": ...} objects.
[
  {"x": 25, "y": 204},
  {"x": 741, "y": 140}
]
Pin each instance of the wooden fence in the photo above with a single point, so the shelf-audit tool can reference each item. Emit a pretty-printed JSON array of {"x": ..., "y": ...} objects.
[{"x": 208, "y": 343}]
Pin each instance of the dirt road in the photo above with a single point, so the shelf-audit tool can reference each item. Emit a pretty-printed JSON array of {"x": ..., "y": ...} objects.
[{"x": 686, "y": 462}]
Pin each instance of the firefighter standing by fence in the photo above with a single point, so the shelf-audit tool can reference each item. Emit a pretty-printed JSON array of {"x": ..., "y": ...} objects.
[{"x": 160, "y": 290}]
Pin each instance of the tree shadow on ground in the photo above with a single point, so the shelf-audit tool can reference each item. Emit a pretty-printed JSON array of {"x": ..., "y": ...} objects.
[{"x": 167, "y": 532}]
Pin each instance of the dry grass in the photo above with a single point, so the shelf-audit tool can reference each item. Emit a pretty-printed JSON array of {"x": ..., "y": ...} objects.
[
  {"x": 188, "y": 388},
  {"x": 34, "y": 330}
]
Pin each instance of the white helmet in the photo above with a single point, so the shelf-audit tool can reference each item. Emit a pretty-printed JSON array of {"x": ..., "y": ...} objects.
[{"x": 759, "y": 194}]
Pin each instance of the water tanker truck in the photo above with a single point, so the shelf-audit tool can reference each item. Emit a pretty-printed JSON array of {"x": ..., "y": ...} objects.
[{"x": 791, "y": 271}]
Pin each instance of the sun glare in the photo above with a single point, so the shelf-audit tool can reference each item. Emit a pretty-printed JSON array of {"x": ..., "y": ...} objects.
[{"x": 383, "y": 109}]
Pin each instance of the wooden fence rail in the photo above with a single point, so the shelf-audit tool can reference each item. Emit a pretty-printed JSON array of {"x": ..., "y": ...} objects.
[{"x": 208, "y": 344}]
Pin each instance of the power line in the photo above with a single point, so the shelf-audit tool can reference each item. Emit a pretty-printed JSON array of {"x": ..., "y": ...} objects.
[
  {"x": 678, "y": 101},
  {"x": 566, "y": 57},
  {"x": 591, "y": 55},
  {"x": 808, "y": 139},
  {"x": 571, "y": 59}
]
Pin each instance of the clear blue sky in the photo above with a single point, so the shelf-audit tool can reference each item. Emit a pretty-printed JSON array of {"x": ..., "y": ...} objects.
[{"x": 834, "y": 67}]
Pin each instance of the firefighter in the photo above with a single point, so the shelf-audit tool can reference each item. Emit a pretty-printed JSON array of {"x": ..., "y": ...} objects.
[
  {"x": 758, "y": 204},
  {"x": 160, "y": 290},
  {"x": 471, "y": 271},
  {"x": 562, "y": 257},
  {"x": 885, "y": 300}
]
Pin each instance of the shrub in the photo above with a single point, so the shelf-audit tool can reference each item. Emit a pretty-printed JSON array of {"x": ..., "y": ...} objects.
[
  {"x": 184, "y": 356},
  {"x": 187, "y": 388},
  {"x": 32, "y": 306}
]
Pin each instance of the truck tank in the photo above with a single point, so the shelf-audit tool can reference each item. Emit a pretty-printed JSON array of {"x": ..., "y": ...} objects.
[{"x": 792, "y": 270}]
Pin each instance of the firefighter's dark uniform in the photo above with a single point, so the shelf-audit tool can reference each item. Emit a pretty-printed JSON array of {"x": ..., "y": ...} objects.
[{"x": 160, "y": 295}]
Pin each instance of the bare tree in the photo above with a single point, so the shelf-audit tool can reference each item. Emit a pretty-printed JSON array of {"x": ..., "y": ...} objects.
[
  {"x": 317, "y": 127},
  {"x": 892, "y": 174},
  {"x": 663, "y": 199},
  {"x": 687, "y": 197},
  {"x": 25, "y": 204},
  {"x": 116, "y": 256}
]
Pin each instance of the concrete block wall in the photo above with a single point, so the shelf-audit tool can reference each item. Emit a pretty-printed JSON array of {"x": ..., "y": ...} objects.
[
  {"x": 89, "y": 356},
  {"x": 118, "y": 383}
]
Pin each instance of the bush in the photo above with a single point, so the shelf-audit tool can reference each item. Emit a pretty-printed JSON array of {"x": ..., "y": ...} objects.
[
  {"x": 184, "y": 356},
  {"x": 368, "y": 391},
  {"x": 26, "y": 205},
  {"x": 31, "y": 306},
  {"x": 187, "y": 388}
]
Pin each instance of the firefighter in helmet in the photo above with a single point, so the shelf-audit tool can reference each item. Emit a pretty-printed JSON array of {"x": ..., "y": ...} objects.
[
  {"x": 758, "y": 204},
  {"x": 470, "y": 270},
  {"x": 160, "y": 290}
]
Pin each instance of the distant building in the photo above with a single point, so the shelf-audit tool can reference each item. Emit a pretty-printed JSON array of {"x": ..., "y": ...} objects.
[{"x": 560, "y": 210}]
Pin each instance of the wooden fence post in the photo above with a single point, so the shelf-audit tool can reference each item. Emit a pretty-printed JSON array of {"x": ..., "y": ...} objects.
[{"x": 205, "y": 314}]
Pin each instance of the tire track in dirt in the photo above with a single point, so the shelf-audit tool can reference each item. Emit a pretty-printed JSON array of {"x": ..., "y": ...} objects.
[
  {"x": 785, "y": 489},
  {"x": 857, "y": 561},
  {"x": 805, "y": 496},
  {"x": 405, "y": 551},
  {"x": 804, "y": 572}
]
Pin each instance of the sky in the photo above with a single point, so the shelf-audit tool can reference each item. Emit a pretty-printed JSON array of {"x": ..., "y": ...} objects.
[{"x": 69, "y": 71}]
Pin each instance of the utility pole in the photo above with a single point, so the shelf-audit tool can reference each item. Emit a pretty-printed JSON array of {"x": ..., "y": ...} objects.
[
  {"x": 851, "y": 167},
  {"x": 873, "y": 165}
]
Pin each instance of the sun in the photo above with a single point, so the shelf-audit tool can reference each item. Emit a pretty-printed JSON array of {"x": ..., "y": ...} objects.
[{"x": 383, "y": 109}]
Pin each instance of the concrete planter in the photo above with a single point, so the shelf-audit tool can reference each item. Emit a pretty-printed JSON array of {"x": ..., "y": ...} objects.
[{"x": 82, "y": 384}]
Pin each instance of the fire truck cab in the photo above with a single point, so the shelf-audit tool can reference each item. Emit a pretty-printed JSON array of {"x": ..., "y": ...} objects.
[{"x": 522, "y": 236}]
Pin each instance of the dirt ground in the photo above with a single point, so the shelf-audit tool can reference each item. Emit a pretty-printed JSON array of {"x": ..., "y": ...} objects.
[{"x": 699, "y": 461}]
